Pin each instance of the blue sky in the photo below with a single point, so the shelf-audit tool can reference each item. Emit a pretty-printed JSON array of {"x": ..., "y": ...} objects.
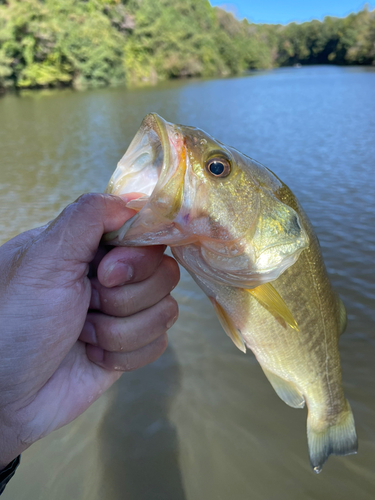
[{"x": 285, "y": 11}]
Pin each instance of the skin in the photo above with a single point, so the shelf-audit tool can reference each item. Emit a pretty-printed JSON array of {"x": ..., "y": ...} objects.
[{"x": 74, "y": 316}]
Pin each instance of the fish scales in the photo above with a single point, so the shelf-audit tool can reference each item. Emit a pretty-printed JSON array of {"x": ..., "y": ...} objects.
[{"x": 244, "y": 238}]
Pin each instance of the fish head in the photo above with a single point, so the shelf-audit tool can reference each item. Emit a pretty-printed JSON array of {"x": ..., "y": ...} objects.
[{"x": 197, "y": 191}]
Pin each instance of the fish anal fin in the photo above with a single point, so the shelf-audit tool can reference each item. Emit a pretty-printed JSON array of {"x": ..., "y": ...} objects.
[
  {"x": 285, "y": 390},
  {"x": 228, "y": 326},
  {"x": 273, "y": 302},
  {"x": 337, "y": 439}
]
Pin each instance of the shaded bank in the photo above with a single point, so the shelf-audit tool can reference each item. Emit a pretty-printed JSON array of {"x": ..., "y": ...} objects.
[{"x": 84, "y": 43}]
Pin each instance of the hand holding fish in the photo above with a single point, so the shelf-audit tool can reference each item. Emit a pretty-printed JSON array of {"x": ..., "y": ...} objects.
[{"x": 66, "y": 337}]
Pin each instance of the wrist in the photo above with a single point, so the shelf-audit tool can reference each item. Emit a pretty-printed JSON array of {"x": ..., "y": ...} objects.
[
  {"x": 10, "y": 448},
  {"x": 10, "y": 465},
  {"x": 4, "y": 464},
  {"x": 8, "y": 472},
  {"x": 7, "y": 459}
]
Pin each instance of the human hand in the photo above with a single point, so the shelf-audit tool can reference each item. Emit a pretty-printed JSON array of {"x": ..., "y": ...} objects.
[{"x": 57, "y": 357}]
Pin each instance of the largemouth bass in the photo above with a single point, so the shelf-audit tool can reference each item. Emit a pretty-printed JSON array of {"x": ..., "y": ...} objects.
[{"x": 244, "y": 238}]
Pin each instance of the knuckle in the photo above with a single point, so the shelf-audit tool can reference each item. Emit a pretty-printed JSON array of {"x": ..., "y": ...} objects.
[
  {"x": 169, "y": 311},
  {"x": 115, "y": 340},
  {"x": 162, "y": 344},
  {"x": 128, "y": 363},
  {"x": 172, "y": 270},
  {"x": 125, "y": 364},
  {"x": 91, "y": 203},
  {"x": 127, "y": 304},
  {"x": 89, "y": 200},
  {"x": 118, "y": 302},
  {"x": 172, "y": 305},
  {"x": 83, "y": 211}
]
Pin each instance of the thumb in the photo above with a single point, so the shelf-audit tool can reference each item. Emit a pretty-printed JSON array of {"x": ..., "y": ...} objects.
[{"x": 75, "y": 234}]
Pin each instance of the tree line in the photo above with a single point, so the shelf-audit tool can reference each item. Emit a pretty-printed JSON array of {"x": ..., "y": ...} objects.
[{"x": 51, "y": 43}]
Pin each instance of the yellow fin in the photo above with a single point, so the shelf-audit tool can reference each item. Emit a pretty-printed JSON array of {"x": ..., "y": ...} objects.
[
  {"x": 269, "y": 297},
  {"x": 285, "y": 389},
  {"x": 228, "y": 326}
]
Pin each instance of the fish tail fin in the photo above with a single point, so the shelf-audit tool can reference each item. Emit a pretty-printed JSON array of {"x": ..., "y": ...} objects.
[{"x": 339, "y": 438}]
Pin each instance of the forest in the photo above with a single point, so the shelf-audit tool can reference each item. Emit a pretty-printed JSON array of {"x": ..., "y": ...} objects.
[{"x": 90, "y": 43}]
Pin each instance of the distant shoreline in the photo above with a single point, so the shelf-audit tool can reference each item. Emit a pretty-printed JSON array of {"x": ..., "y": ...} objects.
[
  {"x": 161, "y": 83},
  {"x": 97, "y": 43}
]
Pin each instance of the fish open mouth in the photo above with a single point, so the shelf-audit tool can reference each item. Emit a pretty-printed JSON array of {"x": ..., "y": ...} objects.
[
  {"x": 146, "y": 160},
  {"x": 150, "y": 167}
]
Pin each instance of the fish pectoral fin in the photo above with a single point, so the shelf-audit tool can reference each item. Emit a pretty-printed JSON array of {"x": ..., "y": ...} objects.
[
  {"x": 272, "y": 301},
  {"x": 285, "y": 390},
  {"x": 229, "y": 328}
]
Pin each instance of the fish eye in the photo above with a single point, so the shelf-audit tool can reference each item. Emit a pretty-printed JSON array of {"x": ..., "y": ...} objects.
[{"x": 218, "y": 167}]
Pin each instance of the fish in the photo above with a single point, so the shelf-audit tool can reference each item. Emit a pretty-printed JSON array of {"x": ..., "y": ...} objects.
[{"x": 246, "y": 241}]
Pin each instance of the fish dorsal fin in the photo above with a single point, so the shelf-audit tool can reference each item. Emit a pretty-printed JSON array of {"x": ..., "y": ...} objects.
[
  {"x": 270, "y": 298},
  {"x": 285, "y": 390},
  {"x": 228, "y": 325}
]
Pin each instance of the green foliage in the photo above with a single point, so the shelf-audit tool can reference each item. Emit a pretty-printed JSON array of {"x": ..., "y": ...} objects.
[
  {"x": 172, "y": 40},
  {"x": 49, "y": 43},
  {"x": 362, "y": 48},
  {"x": 52, "y": 43},
  {"x": 349, "y": 40},
  {"x": 241, "y": 45}
]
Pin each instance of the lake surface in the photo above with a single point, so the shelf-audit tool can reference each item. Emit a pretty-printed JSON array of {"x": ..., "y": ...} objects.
[{"x": 203, "y": 422}]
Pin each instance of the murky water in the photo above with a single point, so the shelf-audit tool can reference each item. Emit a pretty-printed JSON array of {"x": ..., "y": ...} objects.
[{"x": 203, "y": 422}]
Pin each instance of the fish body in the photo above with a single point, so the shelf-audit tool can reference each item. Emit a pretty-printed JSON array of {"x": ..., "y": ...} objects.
[{"x": 244, "y": 238}]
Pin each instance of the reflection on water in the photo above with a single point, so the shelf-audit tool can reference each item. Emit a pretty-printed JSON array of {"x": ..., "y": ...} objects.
[
  {"x": 138, "y": 443},
  {"x": 203, "y": 422}
]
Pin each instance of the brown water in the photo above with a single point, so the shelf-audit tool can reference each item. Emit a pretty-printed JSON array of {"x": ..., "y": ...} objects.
[{"x": 203, "y": 422}]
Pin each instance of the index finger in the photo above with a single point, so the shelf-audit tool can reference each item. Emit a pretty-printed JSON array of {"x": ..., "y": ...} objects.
[{"x": 129, "y": 265}]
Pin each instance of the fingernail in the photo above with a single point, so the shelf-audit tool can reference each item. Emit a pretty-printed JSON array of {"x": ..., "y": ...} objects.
[
  {"x": 95, "y": 299},
  {"x": 122, "y": 271},
  {"x": 172, "y": 321},
  {"x": 95, "y": 354},
  {"x": 88, "y": 334}
]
